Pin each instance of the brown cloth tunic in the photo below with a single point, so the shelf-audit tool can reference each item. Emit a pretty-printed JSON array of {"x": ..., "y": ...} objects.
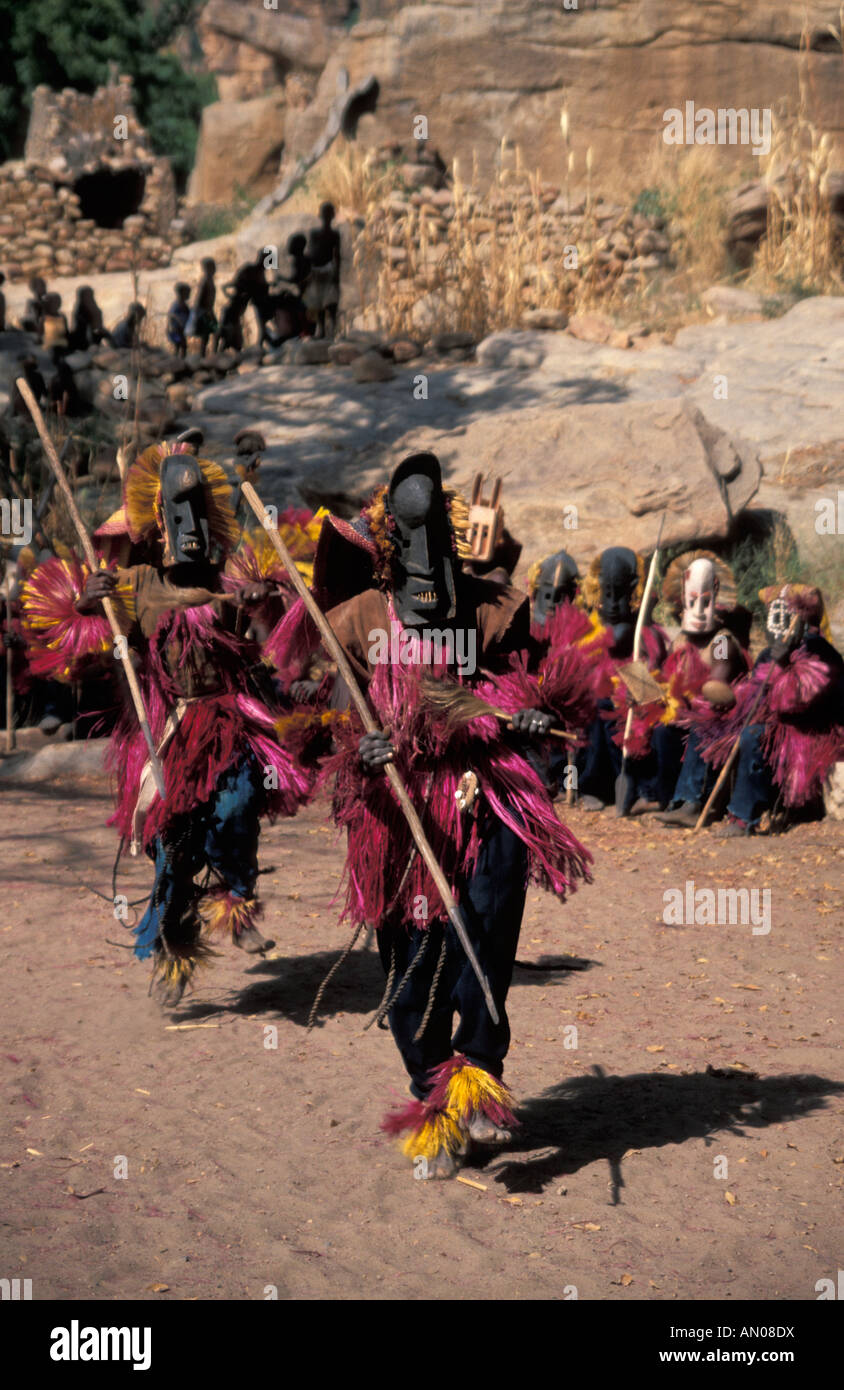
[
  {"x": 155, "y": 595},
  {"x": 499, "y": 614}
]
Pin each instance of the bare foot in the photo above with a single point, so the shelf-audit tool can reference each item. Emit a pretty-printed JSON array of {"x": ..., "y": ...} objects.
[
  {"x": 443, "y": 1166},
  {"x": 252, "y": 942},
  {"x": 483, "y": 1131}
]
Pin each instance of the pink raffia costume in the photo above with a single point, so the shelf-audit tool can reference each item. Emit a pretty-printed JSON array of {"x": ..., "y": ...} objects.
[
  {"x": 214, "y": 710},
  {"x": 484, "y": 809},
  {"x": 788, "y": 714}
]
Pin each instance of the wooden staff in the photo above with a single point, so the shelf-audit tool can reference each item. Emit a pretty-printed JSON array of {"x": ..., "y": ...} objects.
[
  {"x": 93, "y": 565},
  {"x": 621, "y": 784},
  {"x": 334, "y": 647},
  {"x": 10, "y": 690}
]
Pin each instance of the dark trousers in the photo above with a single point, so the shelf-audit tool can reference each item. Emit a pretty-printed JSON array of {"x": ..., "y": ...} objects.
[
  {"x": 599, "y": 763},
  {"x": 222, "y": 833},
  {"x": 652, "y": 778},
  {"x": 655, "y": 775},
  {"x": 696, "y": 778},
  {"x": 492, "y": 903},
  {"x": 753, "y": 792}
]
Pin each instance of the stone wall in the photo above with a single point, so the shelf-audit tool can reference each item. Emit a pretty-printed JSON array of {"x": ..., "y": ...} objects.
[
  {"x": 413, "y": 245},
  {"x": 89, "y": 194}
]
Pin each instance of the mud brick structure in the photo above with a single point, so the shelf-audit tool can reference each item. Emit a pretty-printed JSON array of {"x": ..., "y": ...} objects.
[{"x": 89, "y": 195}]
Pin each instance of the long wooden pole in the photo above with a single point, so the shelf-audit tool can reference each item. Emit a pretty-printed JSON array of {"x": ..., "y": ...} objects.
[
  {"x": 10, "y": 689},
  {"x": 621, "y": 787},
  {"x": 334, "y": 647},
  {"x": 93, "y": 565}
]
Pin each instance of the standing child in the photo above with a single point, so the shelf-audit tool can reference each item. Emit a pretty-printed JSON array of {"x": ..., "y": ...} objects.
[
  {"x": 204, "y": 320},
  {"x": 177, "y": 317}
]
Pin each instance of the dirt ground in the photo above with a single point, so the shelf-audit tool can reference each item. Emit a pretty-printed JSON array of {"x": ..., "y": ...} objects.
[{"x": 690, "y": 1147}]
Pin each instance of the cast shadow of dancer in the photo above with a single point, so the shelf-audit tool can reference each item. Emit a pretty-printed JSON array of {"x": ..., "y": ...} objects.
[
  {"x": 585, "y": 1118},
  {"x": 289, "y": 988}
]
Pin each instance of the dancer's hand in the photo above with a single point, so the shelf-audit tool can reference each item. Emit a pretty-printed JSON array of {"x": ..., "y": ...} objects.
[
  {"x": 375, "y": 750},
  {"x": 304, "y": 691},
  {"x": 533, "y": 723},
  {"x": 252, "y": 593},
  {"x": 781, "y": 650},
  {"x": 97, "y": 587}
]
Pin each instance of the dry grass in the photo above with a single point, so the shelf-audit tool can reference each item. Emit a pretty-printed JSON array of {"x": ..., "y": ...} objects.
[
  {"x": 690, "y": 188},
  {"x": 800, "y": 252},
  {"x": 352, "y": 178},
  {"x": 499, "y": 253}
]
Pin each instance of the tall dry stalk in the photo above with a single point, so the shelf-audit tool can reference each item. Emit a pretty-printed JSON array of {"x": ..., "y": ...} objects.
[{"x": 801, "y": 251}]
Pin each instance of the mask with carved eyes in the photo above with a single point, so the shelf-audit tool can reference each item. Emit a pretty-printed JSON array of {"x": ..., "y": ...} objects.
[
  {"x": 556, "y": 583},
  {"x": 184, "y": 511},
  {"x": 423, "y": 565},
  {"x": 700, "y": 591}
]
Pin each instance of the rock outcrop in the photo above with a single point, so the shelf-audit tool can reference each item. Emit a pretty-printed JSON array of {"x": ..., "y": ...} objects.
[{"x": 480, "y": 71}]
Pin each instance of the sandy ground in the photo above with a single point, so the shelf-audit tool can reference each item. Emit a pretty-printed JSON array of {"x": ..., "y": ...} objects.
[{"x": 252, "y": 1167}]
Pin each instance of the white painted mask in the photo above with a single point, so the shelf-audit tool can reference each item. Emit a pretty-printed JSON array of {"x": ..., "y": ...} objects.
[
  {"x": 700, "y": 589},
  {"x": 779, "y": 618}
]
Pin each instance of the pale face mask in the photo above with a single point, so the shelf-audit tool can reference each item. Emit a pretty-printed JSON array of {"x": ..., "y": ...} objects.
[
  {"x": 779, "y": 619},
  {"x": 700, "y": 589}
]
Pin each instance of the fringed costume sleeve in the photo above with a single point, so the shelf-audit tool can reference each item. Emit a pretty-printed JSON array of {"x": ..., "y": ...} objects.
[
  {"x": 802, "y": 714},
  {"x": 64, "y": 643}
]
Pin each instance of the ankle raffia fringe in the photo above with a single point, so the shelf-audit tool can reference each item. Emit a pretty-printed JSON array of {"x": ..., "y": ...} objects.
[
  {"x": 429, "y": 1131},
  {"x": 182, "y": 964},
  {"x": 459, "y": 1091},
  {"x": 223, "y": 911},
  {"x": 465, "y": 1090}
]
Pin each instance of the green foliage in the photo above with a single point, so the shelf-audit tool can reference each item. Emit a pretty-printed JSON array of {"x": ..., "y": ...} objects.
[
  {"x": 655, "y": 202},
  {"x": 218, "y": 221},
  {"x": 71, "y": 45},
  {"x": 760, "y": 560}
]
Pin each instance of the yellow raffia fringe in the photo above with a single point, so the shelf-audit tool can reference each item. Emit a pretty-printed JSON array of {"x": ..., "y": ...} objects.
[
  {"x": 591, "y": 586},
  {"x": 219, "y": 913},
  {"x": 672, "y": 707},
  {"x": 595, "y": 633},
  {"x": 301, "y": 541},
  {"x": 440, "y": 1132},
  {"x": 184, "y": 962},
  {"x": 142, "y": 496},
  {"x": 299, "y": 719},
  {"x": 458, "y": 511},
  {"x": 470, "y": 1088}
]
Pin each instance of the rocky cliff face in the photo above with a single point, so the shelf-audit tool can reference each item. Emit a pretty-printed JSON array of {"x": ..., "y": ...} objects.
[{"x": 486, "y": 70}]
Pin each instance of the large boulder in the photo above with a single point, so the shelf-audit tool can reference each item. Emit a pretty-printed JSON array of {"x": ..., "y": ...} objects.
[
  {"x": 239, "y": 149},
  {"x": 616, "y": 433},
  {"x": 597, "y": 475}
]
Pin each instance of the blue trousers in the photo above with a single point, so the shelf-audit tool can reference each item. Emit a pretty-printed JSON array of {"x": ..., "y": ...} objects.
[
  {"x": 696, "y": 778},
  {"x": 492, "y": 903},
  {"x": 651, "y": 777},
  {"x": 753, "y": 793},
  {"x": 222, "y": 833}
]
